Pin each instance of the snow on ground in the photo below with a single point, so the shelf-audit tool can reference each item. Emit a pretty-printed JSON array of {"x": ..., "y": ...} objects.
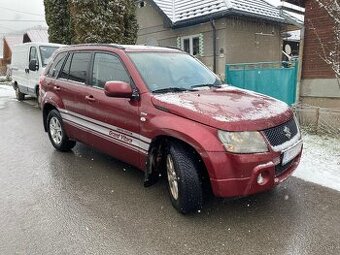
[
  {"x": 320, "y": 161},
  {"x": 6, "y": 92}
]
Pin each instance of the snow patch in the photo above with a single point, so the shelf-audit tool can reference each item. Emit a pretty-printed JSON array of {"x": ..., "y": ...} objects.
[
  {"x": 174, "y": 99},
  {"x": 320, "y": 162}
]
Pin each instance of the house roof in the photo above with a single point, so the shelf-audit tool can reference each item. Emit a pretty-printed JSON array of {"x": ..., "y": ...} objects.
[
  {"x": 182, "y": 11},
  {"x": 36, "y": 35},
  {"x": 13, "y": 40}
]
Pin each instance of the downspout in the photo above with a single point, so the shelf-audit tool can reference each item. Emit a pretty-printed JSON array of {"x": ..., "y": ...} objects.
[
  {"x": 301, "y": 50},
  {"x": 213, "y": 25}
]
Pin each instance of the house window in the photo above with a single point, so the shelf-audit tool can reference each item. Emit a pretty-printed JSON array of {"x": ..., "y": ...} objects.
[{"x": 193, "y": 44}]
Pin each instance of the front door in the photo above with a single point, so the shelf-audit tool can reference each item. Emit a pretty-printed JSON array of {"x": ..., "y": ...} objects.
[
  {"x": 33, "y": 76},
  {"x": 115, "y": 122}
]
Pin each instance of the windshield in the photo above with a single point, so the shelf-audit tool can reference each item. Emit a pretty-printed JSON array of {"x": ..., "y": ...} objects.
[
  {"x": 176, "y": 71},
  {"x": 46, "y": 53}
]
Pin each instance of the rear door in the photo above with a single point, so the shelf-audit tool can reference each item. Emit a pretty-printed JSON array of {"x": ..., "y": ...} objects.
[
  {"x": 114, "y": 123},
  {"x": 71, "y": 86}
]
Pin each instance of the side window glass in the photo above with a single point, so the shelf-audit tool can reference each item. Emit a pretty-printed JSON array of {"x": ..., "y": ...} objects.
[
  {"x": 55, "y": 67},
  {"x": 79, "y": 66},
  {"x": 33, "y": 54},
  {"x": 107, "y": 67},
  {"x": 66, "y": 70}
]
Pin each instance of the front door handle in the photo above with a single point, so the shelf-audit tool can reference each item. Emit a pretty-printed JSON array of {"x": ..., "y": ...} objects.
[
  {"x": 56, "y": 88},
  {"x": 90, "y": 98}
]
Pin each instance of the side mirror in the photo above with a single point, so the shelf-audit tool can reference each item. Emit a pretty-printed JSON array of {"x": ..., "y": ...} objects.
[
  {"x": 33, "y": 65},
  {"x": 118, "y": 89}
]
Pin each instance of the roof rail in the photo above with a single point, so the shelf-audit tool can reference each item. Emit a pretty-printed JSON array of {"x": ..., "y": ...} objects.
[
  {"x": 98, "y": 44},
  {"x": 173, "y": 47}
]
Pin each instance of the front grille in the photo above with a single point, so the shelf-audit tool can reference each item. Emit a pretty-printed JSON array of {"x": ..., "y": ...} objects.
[{"x": 281, "y": 134}]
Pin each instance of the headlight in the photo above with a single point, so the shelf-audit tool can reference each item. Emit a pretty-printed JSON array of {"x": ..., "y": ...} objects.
[{"x": 243, "y": 142}]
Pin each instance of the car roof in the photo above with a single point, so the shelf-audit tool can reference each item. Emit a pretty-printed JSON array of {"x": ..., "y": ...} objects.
[{"x": 126, "y": 48}]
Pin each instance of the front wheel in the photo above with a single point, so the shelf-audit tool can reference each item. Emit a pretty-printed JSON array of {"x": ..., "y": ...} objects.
[
  {"x": 56, "y": 132},
  {"x": 184, "y": 182},
  {"x": 19, "y": 95}
]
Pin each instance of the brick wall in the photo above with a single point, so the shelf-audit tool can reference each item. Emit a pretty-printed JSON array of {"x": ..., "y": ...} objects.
[{"x": 317, "y": 21}]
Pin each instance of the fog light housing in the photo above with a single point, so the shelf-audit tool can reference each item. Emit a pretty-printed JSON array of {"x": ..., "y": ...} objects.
[
  {"x": 263, "y": 178},
  {"x": 260, "y": 179}
]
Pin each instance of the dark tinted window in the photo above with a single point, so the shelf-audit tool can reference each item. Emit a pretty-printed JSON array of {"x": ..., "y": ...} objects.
[
  {"x": 33, "y": 54},
  {"x": 79, "y": 66},
  {"x": 66, "y": 69},
  {"x": 107, "y": 67},
  {"x": 57, "y": 64}
]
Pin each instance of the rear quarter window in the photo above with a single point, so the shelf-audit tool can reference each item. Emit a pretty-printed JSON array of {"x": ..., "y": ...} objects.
[{"x": 55, "y": 67}]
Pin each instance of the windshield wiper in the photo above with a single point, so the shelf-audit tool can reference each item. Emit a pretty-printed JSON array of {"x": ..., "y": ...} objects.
[
  {"x": 206, "y": 85},
  {"x": 170, "y": 89}
]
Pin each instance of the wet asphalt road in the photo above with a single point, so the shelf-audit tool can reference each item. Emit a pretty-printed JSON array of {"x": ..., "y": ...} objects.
[{"x": 85, "y": 202}]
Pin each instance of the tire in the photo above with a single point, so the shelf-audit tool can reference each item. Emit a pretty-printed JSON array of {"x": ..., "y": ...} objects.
[
  {"x": 39, "y": 99},
  {"x": 56, "y": 132},
  {"x": 19, "y": 95},
  {"x": 184, "y": 182}
]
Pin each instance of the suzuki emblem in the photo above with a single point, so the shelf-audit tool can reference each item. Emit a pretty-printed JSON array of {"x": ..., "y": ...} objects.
[{"x": 287, "y": 132}]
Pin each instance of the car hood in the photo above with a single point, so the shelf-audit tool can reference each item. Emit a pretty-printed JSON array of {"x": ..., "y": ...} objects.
[{"x": 226, "y": 108}]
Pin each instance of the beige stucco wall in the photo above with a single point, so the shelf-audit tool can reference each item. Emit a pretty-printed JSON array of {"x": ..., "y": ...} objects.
[{"x": 238, "y": 40}]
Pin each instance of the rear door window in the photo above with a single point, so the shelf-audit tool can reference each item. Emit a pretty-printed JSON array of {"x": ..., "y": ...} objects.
[
  {"x": 107, "y": 67},
  {"x": 79, "y": 67}
]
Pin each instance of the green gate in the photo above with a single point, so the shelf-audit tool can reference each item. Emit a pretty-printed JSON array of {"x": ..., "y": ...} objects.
[{"x": 275, "y": 79}]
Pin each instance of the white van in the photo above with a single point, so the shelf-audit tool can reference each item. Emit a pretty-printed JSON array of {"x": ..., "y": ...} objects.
[{"x": 28, "y": 63}]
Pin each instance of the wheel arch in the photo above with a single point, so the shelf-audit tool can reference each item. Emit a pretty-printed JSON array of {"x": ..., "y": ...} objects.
[
  {"x": 46, "y": 110},
  {"x": 163, "y": 140}
]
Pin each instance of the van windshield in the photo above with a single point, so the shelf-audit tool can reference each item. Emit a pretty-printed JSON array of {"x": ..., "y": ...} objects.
[
  {"x": 46, "y": 53},
  {"x": 163, "y": 71}
]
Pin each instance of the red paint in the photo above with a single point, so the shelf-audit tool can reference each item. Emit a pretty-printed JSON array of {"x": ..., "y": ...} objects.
[{"x": 150, "y": 117}]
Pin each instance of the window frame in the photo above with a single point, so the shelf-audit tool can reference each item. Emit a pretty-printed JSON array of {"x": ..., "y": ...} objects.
[
  {"x": 53, "y": 64},
  {"x": 191, "y": 43},
  {"x": 71, "y": 54},
  {"x": 131, "y": 83}
]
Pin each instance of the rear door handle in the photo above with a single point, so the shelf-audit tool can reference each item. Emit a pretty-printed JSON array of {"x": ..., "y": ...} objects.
[
  {"x": 56, "y": 88},
  {"x": 90, "y": 98}
]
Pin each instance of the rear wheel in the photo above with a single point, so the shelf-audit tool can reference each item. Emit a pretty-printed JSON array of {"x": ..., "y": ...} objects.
[
  {"x": 184, "y": 182},
  {"x": 19, "y": 95},
  {"x": 56, "y": 132}
]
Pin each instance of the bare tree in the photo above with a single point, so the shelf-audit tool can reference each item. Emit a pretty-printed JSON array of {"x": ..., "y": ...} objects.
[{"x": 330, "y": 51}]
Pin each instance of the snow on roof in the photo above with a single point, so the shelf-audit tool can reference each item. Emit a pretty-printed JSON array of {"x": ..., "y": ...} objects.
[
  {"x": 182, "y": 10},
  {"x": 13, "y": 40},
  {"x": 38, "y": 35}
]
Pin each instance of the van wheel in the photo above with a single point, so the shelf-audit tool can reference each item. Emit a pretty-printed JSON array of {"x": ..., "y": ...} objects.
[
  {"x": 39, "y": 99},
  {"x": 184, "y": 183},
  {"x": 20, "y": 96},
  {"x": 56, "y": 132}
]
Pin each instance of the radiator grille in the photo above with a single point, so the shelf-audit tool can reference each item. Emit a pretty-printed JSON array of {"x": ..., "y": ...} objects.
[{"x": 281, "y": 134}]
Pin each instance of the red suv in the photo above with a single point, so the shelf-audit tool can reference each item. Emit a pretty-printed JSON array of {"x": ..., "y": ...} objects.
[{"x": 163, "y": 111}]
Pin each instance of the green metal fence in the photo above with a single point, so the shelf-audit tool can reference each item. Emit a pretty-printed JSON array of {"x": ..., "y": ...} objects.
[{"x": 276, "y": 79}]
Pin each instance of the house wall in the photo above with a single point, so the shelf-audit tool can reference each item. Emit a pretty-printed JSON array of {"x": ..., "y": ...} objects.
[
  {"x": 7, "y": 53},
  {"x": 318, "y": 86},
  {"x": 238, "y": 40}
]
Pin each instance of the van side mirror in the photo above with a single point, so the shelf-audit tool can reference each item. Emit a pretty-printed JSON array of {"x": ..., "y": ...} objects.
[
  {"x": 33, "y": 65},
  {"x": 118, "y": 89}
]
